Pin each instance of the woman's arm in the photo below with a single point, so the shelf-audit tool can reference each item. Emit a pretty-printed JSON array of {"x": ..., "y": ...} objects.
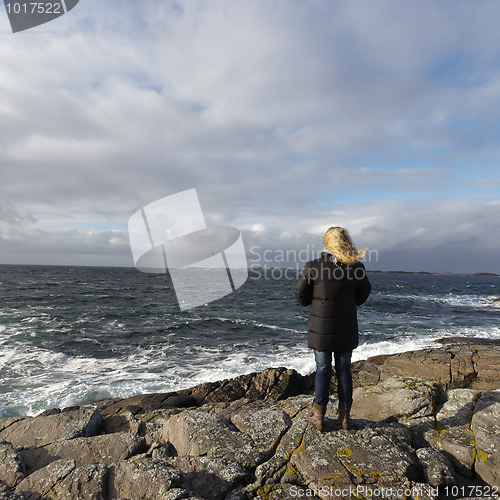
[
  {"x": 304, "y": 288},
  {"x": 364, "y": 287}
]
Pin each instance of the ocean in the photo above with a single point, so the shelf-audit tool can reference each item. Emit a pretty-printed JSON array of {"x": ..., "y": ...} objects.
[{"x": 72, "y": 335}]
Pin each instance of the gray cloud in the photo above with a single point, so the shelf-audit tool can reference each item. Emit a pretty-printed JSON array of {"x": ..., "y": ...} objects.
[{"x": 285, "y": 116}]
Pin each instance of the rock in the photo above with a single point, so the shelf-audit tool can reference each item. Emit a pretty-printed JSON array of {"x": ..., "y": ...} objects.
[
  {"x": 40, "y": 431},
  {"x": 398, "y": 398},
  {"x": 275, "y": 384},
  {"x": 271, "y": 471},
  {"x": 237, "y": 494},
  {"x": 7, "y": 494},
  {"x": 436, "y": 467},
  {"x": 265, "y": 427},
  {"x": 211, "y": 478},
  {"x": 217, "y": 439},
  {"x": 272, "y": 384},
  {"x": 145, "y": 477},
  {"x": 378, "y": 454},
  {"x": 463, "y": 363},
  {"x": 83, "y": 483},
  {"x": 162, "y": 451},
  {"x": 123, "y": 422},
  {"x": 106, "y": 449},
  {"x": 154, "y": 422},
  {"x": 487, "y": 366},
  {"x": 284, "y": 492},
  {"x": 7, "y": 422},
  {"x": 451, "y": 433},
  {"x": 486, "y": 428},
  {"x": 427, "y": 364},
  {"x": 43, "y": 480},
  {"x": 12, "y": 469},
  {"x": 144, "y": 403},
  {"x": 63, "y": 480},
  {"x": 297, "y": 406}
]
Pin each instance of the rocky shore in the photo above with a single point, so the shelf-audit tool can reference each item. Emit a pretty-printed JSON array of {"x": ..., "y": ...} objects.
[{"x": 426, "y": 424}]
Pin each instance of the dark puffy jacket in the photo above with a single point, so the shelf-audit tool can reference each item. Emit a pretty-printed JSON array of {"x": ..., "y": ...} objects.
[{"x": 333, "y": 291}]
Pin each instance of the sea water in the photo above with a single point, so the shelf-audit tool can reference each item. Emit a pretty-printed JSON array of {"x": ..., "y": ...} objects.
[{"x": 72, "y": 335}]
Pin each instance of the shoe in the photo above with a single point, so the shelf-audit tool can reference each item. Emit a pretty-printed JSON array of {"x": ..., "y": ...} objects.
[
  {"x": 344, "y": 415},
  {"x": 316, "y": 418}
]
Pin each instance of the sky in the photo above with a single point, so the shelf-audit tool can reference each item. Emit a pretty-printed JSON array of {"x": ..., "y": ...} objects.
[{"x": 286, "y": 116}]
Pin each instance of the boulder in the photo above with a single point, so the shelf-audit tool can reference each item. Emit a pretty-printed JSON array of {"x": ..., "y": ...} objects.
[
  {"x": 284, "y": 492},
  {"x": 143, "y": 403},
  {"x": 376, "y": 454},
  {"x": 426, "y": 364},
  {"x": 451, "y": 433},
  {"x": 196, "y": 433},
  {"x": 436, "y": 468},
  {"x": 7, "y": 422},
  {"x": 83, "y": 483},
  {"x": 265, "y": 427},
  {"x": 42, "y": 430},
  {"x": 397, "y": 398},
  {"x": 271, "y": 471},
  {"x": 106, "y": 449},
  {"x": 145, "y": 477},
  {"x": 154, "y": 421},
  {"x": 7, "y": 494},
  {"x": 461, "y": 363},
  {"x": 123, "y": 422},
  {"x": 487, "y": 365},
  {"x": 486, "y": 428},
  {"x": 12, "y": 469},
  {"x": 41, "y": 482},
  {"x": 210, "y": 478}
]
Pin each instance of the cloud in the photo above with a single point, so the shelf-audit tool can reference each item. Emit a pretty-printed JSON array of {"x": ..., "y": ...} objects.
[{"x": 284, "y": 115}]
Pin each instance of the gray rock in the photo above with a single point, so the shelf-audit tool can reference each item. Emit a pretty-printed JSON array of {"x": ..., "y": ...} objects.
[
  {"x": 177, "y": 494},
  {"x": 12, "y": 469},
  {"x": 83, "y": 483},
  {"x": 144, "y": 477},
  {"x": 486, "y": 429},
  {"x": 123, "y": 422},
  {"x": 161, "y": 450},
  {"x": 237, "y": 494},
  {"x": 423, "y": 491},
  {"x": 7, "y": 422},
  {"x": 284, "y": 492},
  {"x": 451, "y": 434},
  {"x": 197, "y": 433},
  {"x": 40, "y": 431},
  {"x": 298, "y": 406},
  {"x": 211, "y": 478},
  {"x": 43, "y": 480},
  {"x": 265, "y": 427},
  {"x": 399, "y": 399},
  {"x": 380, "y": 454},
  {"x": 271, "y": 471},
  {"x": 154, "y": 422},
  {"x": 436, "y": 467},
  {"x": 7, "y": 494},
  {"x": 106, "y": 449}
]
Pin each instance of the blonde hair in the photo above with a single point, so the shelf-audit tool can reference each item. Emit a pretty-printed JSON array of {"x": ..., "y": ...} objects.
[{"x": 338, "y": 241}]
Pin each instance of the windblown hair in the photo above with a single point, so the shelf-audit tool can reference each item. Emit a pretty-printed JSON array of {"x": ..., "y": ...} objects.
[{"x": 338, "y": 241}]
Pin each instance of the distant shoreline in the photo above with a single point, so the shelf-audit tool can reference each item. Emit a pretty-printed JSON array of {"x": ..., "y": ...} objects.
[{"x": 257, "y": 268}]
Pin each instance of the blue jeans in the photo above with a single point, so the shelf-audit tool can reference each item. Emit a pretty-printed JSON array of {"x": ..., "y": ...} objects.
[{"x": 324, "y": 375}]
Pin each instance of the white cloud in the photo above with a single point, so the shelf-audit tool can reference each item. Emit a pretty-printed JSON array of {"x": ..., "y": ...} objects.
[{"x": 286, "y": 116}]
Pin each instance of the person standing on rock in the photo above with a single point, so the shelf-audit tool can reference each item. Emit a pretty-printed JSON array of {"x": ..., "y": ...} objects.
[{"x": 333, "y": 285}]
